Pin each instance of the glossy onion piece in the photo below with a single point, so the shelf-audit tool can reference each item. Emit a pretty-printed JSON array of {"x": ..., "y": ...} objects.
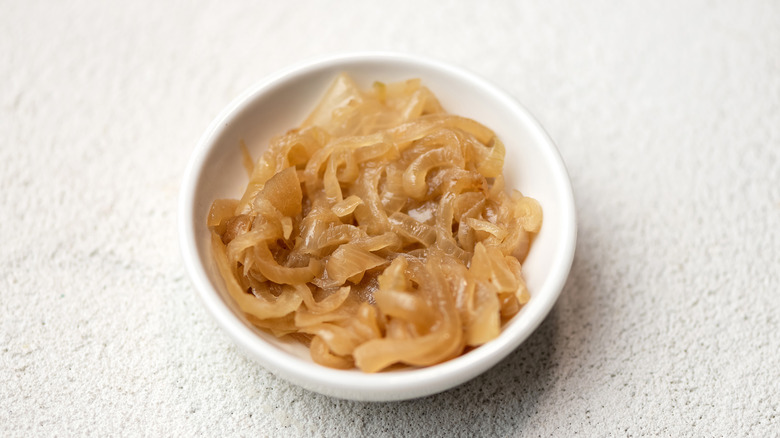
[
  {"x": 484, "y": 324},
  {"x": 338, "y": 234},
  {"x": 384, "y": 149},
  {"x": 482, "y": 133},
  {"x": 304, "y": 317},
  {"x": 331, "y": 184},
  {"x": 392, "y": 191},
  {"x": 388, "y": 240},
  {"x": 320, "y": 353},
  {"x": 414, "y": 175},
  {"x": 393, "y": 299},
  {"x": 494, "y": 162},
  {"x": 457, "y": 181},
  {"x": 247, "y": 241},
  {"x": 282, "y": 274},
  {"x": 348, "y": 261},
  {"x": 467, "y": 207},
  {"x": 378, "y": 233},
  {"x": 343, "y": 336},
  {"x": 249, "y": 303},
  {"x": 442, "y": 342},
  {"x": 283, "y": 191},
  {"x": 340, "y": 340},
  {"x": 530, "y": 213},
  {"x": 279, "y": 327},
  {"x": 370, "y": 216},
  {"x": 489, "y": 265},
  {"x": 327, "y": 304},
  {"x": 488, "y": 227},
  {"x": 412, "y": 230},
  {"x": 314, "y": 168},
  {"x": 221, "y": 211},
  {"x": 521, "y": 293},
  {"x": 341, "y": 93},
  {"x": 347, "y": 206}
]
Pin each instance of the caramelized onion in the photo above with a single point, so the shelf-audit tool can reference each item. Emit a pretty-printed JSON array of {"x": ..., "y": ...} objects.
[{"x": 378, "y": 232}]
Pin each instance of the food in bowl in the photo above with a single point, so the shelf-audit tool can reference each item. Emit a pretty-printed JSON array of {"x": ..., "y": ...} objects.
[{"x": 379, "y": 232}]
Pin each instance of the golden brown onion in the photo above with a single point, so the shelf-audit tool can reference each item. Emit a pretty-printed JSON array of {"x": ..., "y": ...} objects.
[{"x": 378, "y": 233}]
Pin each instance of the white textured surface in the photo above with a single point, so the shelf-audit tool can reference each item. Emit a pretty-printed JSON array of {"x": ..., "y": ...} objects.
[{"x": 667, "y": 115}]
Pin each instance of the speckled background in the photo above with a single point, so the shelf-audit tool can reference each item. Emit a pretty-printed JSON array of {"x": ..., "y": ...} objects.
[{"x": 666, "y": 113}]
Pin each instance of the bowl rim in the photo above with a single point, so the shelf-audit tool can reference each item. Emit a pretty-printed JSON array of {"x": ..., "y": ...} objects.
[{"x": 351, "y": 384}]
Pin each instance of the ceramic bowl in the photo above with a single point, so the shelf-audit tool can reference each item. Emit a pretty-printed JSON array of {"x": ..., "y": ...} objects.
[{"x": 281, "y": 102}]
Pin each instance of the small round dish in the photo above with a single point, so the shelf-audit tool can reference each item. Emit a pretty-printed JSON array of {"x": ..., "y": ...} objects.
[{"x": 279, "y": 103}]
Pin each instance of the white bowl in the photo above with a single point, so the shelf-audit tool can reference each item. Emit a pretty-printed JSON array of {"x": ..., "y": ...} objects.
[{"x": 281, "y": 102}]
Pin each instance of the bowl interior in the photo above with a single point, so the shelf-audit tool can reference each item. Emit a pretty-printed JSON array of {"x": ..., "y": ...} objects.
[{"x": 532, "y": 165}]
